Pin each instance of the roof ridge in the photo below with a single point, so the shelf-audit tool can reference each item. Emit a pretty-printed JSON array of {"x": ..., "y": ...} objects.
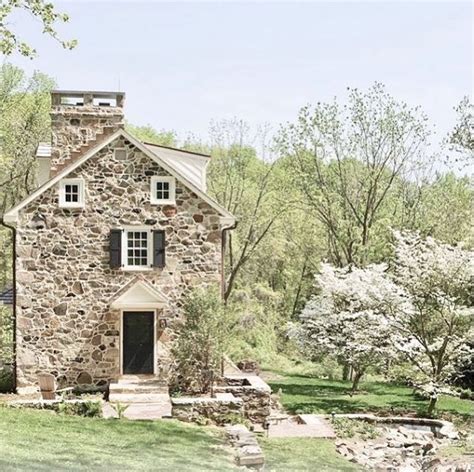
[{"x": 177, "y": 149}]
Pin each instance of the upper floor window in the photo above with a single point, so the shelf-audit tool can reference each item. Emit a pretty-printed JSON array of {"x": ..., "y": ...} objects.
[
  {"x": 137, "y": 248},
  {"x": 71, "y": 193},
  {"x": 163, "y": 190}
]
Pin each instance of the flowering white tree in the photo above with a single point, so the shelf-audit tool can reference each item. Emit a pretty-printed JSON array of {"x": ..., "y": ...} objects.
[
  {"x": 347, "y": 319},
  {"x": 438, "y": 280}
]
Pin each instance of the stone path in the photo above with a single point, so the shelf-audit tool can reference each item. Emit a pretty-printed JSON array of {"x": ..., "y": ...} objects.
[
  {"x": 146, "y": 398},
  {"x": 302, "y": 426}
]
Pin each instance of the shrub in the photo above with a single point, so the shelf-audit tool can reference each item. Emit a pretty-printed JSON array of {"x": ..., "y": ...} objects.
[
  {"x": 233, "y": 418},
  {"x": 89, "y": 408},
  {"x": 347, "y": 428},
  {"x": 202, "y": 340},
  {"x": 120, "y": 409},
  {"x": 6, "y": 380}
]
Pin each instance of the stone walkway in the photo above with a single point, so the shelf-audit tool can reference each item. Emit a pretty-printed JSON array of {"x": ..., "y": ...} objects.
[{"x": 302, "y": 426}]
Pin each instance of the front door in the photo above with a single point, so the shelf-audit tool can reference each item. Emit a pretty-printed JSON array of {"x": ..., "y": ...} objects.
[{"x": 137, "y": 342}]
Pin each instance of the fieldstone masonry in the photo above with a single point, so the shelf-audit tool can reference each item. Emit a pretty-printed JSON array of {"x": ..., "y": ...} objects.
[
  {"x": 64, "y": 322},
  {"x": 74, "y": 127}
]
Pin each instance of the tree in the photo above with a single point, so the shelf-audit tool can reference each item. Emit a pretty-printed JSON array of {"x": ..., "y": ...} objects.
[
  {"x": 150, "y": 135},
  {"x": 347, "y": 161},
  {"x": 438, "y": 280},
  {"x": 202, "y": 340},
  {"x": 346, "y": 320},
  {"x": 440, "y": 208},
  {"x": 244, "y": 184},
  {"x": 461, "y": 138},
  {"x": 24, "y": 122},
  {"x": 41, "y": 10}
]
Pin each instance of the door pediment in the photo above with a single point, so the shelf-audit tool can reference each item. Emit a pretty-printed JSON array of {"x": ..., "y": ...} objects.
[{"x": 137, "y": 295}]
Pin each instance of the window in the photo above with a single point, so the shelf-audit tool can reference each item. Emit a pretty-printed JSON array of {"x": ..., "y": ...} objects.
[
  {"x": 137, "y": 248},
  {"x": 71, "y": 193},
  {"x": 162, "y": 190},
  {"x": 137, "y": 251}
]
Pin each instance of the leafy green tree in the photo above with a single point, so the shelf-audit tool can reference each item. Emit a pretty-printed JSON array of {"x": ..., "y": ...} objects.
[
  {"x": 203, "y": 338},
  {"x": 150, "y": 135},
  {"x": 461, "y": 138},
  {"x": 24, "y": 122},
  {"x": 41, "y": 10},
  {"x": 441, "y": 208},
  {"x": 347, "y": 161},
  {"x": 246, "y": 185}
]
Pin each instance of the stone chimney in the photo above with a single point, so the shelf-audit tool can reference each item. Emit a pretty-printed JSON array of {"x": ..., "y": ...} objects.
[{"x": 79, "y": 121}]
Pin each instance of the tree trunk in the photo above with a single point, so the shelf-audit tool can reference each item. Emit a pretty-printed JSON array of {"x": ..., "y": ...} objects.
[
  {"x": 356, "y": 379},
  {"x": 346, "y": 371},
  {"x": 432, "y": 405}
]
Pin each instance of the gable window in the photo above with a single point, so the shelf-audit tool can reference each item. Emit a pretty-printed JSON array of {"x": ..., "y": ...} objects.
[
  {"x": 137, "y": 248},
  {"x": 71, "y": 193},
  {"x": 163, "y": 190}
]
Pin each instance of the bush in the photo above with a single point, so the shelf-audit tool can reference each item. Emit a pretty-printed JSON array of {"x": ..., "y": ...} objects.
[
  {"x": 89, "y": 408},
  {"x": 347, "y": 428},
  {"x": 6, "y": 380},
  {"x": 202, "y": 340}
]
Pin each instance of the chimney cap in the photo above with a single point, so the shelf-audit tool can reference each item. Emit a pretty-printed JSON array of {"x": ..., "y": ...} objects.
[{"x": 80, "y": 93}]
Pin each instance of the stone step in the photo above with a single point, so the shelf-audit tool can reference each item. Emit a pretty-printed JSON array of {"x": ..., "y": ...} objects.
[
  {"x": 136, "y": 380},
  {"x": 137, "y": 389},
  {"x": 148, "y": 411},
  {"x": 140, "y": 411},
  {"x": 139, "y": 397}
]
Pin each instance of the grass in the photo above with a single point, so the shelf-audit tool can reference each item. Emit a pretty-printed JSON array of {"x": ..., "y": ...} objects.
[
  {"x": 305, "y": 394},
  {"x": 41, "y": 441},
  {"x": 303, "y": 454}
]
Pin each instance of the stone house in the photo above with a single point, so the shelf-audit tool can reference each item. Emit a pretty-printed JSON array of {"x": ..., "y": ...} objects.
[{"x": 116, "y": 232}]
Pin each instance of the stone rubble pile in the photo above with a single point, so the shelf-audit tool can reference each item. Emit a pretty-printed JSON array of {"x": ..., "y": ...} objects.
[
  {"x": 400, "y": 450},
  {"x": 248, "y": 451}
]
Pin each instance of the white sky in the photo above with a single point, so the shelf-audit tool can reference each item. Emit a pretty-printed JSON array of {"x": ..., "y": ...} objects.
[{"x": 185, "y": 63}]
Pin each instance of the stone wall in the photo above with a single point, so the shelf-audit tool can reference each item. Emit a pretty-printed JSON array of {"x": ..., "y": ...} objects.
[
  {"x": 254, "y": 392},
  {"x": 217, "y": 410},
  {"x": 75, "y": 126},
  {"x": 65, "y": 283}
]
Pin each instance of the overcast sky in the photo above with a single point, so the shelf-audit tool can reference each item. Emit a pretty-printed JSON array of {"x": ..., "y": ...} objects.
[{"x": 183, "y": 64}]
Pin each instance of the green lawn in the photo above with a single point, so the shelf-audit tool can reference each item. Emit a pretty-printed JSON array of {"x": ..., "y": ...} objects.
[
  {"x": 40, "y": 441},
  {"x": 305, "y": 394},
  {"x": 304, "y": 454}
]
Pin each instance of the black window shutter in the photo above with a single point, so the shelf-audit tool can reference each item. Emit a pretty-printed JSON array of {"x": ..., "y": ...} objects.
[
  {"x": 115, "y": 248},
  {"x": 158, "y": 248}
]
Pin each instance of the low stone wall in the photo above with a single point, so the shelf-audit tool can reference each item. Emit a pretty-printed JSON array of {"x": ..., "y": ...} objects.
[
  {"x": 254, "y": 392},
  {"x": 217, "y": 410},
  {"x": 247, "y": 450},
  {"x": 446, "y": 428}
]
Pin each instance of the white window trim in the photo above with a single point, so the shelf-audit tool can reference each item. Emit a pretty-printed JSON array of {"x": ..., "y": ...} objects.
[
  {"x": 160, "y": 178},
  {"x": 62, "y": 195},
  {"x": 125, "y": 265}
]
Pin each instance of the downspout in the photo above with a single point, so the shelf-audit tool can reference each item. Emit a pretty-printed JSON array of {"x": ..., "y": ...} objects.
[
  {"x": 13, "y": 230},
  {"x": 225, "y": 229}
]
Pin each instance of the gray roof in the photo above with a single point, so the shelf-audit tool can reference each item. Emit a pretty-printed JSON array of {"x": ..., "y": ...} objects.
[{"x": 6, "y": 296}]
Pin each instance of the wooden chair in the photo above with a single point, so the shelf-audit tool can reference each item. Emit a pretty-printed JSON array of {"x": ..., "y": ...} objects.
[{"x": 49, "y": 388}]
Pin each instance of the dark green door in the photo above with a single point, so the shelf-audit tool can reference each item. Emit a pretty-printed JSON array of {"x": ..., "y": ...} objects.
[{"x": 138, "y": 342}]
